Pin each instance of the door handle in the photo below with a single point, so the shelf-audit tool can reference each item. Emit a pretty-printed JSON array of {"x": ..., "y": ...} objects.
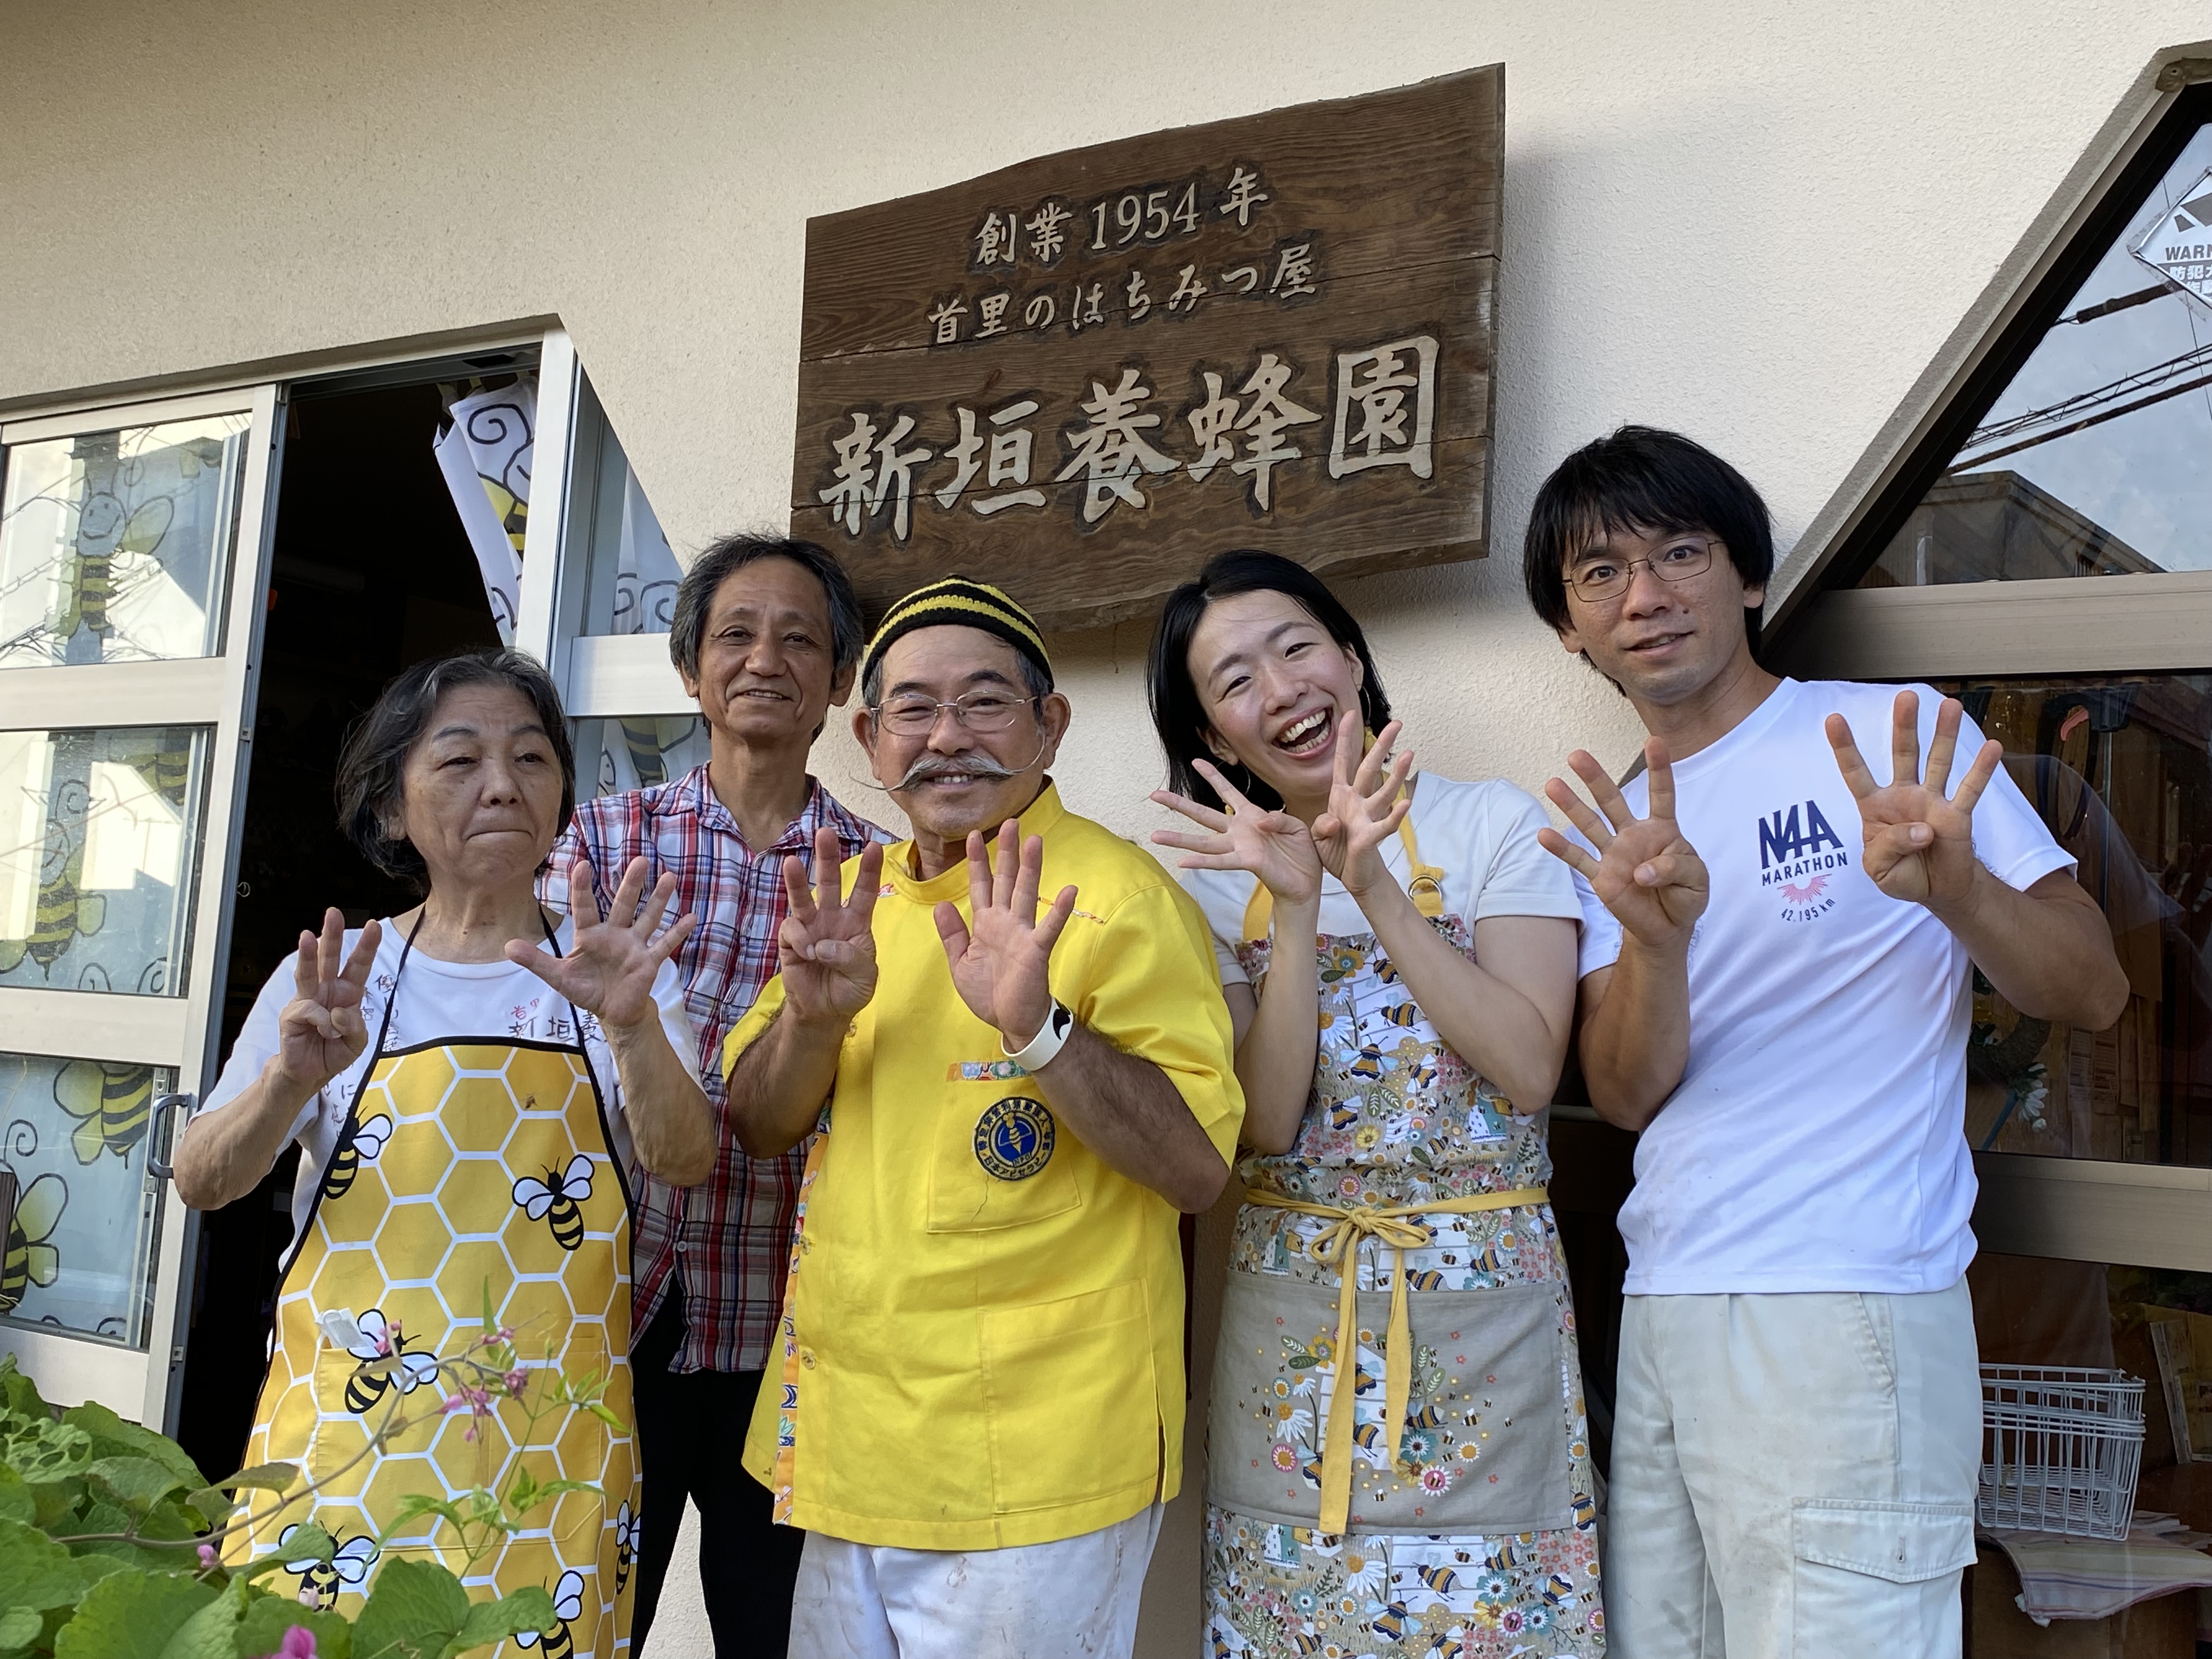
[{"x": 157, "y": 1131}]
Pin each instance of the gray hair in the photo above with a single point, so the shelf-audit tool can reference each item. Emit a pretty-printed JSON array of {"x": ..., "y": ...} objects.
[
  {"x": 695, "y": 596},
  {"x": 371, "y": 766}
]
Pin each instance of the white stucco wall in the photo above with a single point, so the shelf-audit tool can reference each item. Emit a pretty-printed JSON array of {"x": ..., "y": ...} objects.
[{"x": 1754, "y": 221}]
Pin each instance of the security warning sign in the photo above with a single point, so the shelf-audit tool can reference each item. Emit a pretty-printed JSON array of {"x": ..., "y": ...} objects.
[{"x": 2178, "y": 244}]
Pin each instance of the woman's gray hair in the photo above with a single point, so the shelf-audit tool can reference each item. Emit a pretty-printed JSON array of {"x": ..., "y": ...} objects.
[{"x": 371, "y": 765}]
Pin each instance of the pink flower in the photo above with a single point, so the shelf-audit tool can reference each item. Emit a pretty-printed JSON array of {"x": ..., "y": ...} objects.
[
  {"x": 516, "y": 1379},
  {"x": 207, "y": 1555},
  {"x": 299, "y": 1644},
  {"x": 507, "y": 1333},
  {"x": 1435, "y": 1480},
  {"x": 454, "y": 1402}
]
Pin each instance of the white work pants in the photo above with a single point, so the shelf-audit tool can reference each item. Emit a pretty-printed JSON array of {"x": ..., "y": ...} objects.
[
  {"x": 1793, "y": 1476},
  {"x": 1075, "y": 1598}
]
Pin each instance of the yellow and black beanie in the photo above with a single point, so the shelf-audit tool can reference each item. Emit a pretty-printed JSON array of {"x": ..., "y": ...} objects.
[{"x": 959, "y": 603}]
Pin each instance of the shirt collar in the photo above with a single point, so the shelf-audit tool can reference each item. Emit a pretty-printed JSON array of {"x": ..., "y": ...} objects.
[
  {"x": 695, "y": 794},
  {"x": 1042, "y": 815}
]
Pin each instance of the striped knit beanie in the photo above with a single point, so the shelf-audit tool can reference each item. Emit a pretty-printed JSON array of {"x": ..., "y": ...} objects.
[{"x": 959, "y": 603}]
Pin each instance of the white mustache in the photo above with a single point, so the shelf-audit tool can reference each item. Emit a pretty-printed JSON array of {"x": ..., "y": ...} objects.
[{"x": 927, "y": 767}]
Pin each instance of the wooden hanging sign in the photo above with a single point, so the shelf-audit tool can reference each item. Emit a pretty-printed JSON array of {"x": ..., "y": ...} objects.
[{"x": 1082, "y": 376}]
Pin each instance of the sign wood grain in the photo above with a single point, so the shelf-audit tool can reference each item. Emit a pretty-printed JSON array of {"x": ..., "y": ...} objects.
[{"x": 1082, "y": 376}]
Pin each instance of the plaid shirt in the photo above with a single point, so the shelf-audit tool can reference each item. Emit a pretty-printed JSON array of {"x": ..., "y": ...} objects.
[{"x": 725, "y": 1241}]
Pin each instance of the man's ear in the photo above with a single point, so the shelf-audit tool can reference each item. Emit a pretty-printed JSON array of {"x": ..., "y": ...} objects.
[
  {"x": 841, "y": 684},
  {"x": 691, "y": 683},
  {"x": 864, "y": 733},
  {"x": 1570, "y": 639},
  {"x": 1054, "y": 713}
]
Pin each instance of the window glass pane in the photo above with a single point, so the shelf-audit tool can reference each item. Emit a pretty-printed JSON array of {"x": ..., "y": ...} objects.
[
  {"x": 99, "y": 856},
  {"x": 2120, "y": 767},
  {"x": 2096, "y": 460},
  {"x": 81, "y": 1241},
  {"x": 113, "y": 545},
  {"x": 631, "y": 573},
  {"x": 636, "y": 751},
  {"x": 2111, "y": 1326}
]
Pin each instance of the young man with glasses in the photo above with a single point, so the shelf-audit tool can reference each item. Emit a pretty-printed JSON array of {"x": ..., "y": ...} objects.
[
  {"x": 765, "y": 634},
  {"x": 1774, "y": 993},
  {"x": 981, "y": 1407}
]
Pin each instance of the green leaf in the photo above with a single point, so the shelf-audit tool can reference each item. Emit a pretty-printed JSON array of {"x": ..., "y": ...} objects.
[
  {"x": 50, "y": 1451},
  {"x": 118, "y": 1436},
  {"x": 58, "y": 1501},
  {"x": 262, "y": 1630},
  {"x": 20, "y": 1393},
  {"x": 136, "y": 1483},
  {"x": 416, "y": 1608},
  {"x": 210, "y": 1633},
  {"x": 17, "y": 1503},
  {"x": 213, "y": 1502},
  {"x": 20, "y": 1626},
  {"x": 262, "y": 1476},
  {"x": 527, "y": 1609},
  {"x": 490, "y": 1318},
  {"x": 37, "y": 1572},
  {"x": 131, "y": 1615}
]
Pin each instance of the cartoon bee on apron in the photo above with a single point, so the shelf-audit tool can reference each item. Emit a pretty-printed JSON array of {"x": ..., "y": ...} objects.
[{"x": 468, "y": 1165}]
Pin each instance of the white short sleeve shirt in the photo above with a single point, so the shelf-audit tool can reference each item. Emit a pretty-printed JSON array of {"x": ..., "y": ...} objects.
[
  {"x": 437, "y": 1000},
  {"x": 1817, "y": 1139}
]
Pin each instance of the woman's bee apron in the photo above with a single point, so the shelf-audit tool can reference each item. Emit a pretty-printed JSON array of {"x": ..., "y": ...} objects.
[{"x": 468, "y": 1167}]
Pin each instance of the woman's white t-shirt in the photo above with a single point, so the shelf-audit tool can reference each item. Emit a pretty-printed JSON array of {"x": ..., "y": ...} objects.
[
  {"x": 437, "y": 1000},
  {"x": 1482, "y": 836}
]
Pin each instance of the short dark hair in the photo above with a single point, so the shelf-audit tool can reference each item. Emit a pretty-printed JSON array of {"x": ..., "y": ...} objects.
[
  {"x": 694, "y": 595},
  {"x": 1179, "y": 714},
  {"x": 1645, "y": 479},
  {"x": 372, "y": 764}
]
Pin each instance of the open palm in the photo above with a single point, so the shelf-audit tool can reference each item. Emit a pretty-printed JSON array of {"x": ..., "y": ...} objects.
[
  {"x": 1002, "y": 954},
  {"x": 1272, "y": 846},
  {"x": 1644, "y": 872},
  {"x": 611, "y": 961},
  {"x": 1367, "y": 802},
  {"x": 1918, "y": 843},
  {"x": 826, "y": 948}
]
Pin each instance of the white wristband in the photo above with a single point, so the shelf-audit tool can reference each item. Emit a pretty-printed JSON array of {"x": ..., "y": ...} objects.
[{"x": 1041, "y": 1049}]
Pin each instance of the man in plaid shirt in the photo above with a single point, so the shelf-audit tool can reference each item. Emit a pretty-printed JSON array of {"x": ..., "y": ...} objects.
[{"x": 765, "y": 634}]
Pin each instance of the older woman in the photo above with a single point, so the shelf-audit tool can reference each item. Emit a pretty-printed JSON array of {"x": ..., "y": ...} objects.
[{"x": 472, "y": 1083}]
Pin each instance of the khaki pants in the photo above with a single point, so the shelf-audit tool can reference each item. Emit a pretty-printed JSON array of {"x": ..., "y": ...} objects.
[{"x": 1793, "y": 1476}]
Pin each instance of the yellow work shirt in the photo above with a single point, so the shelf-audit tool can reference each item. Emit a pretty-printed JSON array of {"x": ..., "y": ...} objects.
[{"x": 983, "y": 1335}]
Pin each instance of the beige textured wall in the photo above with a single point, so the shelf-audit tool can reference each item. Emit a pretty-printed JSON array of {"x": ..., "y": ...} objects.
[{"x": 1753, "y": 221}]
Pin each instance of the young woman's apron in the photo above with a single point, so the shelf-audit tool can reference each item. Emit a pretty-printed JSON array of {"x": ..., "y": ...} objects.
[
  {"x": 1397, "y": 1451},
  {"x": 468, "y": 1166}
]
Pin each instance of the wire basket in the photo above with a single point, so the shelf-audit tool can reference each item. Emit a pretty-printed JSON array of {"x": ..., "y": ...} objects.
[{"x": 2061, "y": 1448}]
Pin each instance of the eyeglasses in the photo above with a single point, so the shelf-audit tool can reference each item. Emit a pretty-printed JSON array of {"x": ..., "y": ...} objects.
[
  {"x": 1602, "y": 577},
  {"x": 979, "y": 711}
]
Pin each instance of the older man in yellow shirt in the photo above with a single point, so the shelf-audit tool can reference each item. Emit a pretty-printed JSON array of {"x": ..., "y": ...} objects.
[{"x": 982, "y": 1400}]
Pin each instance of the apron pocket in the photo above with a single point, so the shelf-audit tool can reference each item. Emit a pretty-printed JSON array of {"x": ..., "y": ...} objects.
[
  {"x": 1876, "y": 1579},
  {"x": 1010, "y": 1164},
  {"x": 1070, "y": 1398},
  {"x": 1488, "y": 1442}
]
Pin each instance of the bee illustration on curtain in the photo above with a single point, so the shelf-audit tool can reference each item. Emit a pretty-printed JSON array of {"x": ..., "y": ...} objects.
[
  {"x": 31, "y": 1259},
  {"x": 626, "y": 1542},
  {"x": 360, "y": 1147},
  {"x": 554, "y": 1200},
  {"x": 111, "y": 1104},
  {"x": 64, "y": 911},
  {"x": 107, "y": 530},
  {"x": 364, "y": 1388},
  {"x": 319, "y": 1581},
  {"x": 568, "y": 1604}
]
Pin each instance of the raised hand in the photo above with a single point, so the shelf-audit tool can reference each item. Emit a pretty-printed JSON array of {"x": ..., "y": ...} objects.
[
  {"x": 1000, "y": 957},
  {"x": 1272, "y": 846},
  {"x": 1644, "y": 872},
  {"x": 1367, "y": 802},
  {"x": 1919, "y": 843},
  {"x": 320, "y": 1031},
  {"x": 825, "y": 950},
  {"x": 612, "y": 961}
]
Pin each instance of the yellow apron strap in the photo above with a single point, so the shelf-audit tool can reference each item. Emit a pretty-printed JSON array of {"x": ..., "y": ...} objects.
[
  {"x": 1425, "y": 885},
  {"x": 1337, "y": 1245}
]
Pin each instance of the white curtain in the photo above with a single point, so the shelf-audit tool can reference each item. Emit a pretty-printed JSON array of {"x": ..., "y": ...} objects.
[{"x": 485, "y": 455}]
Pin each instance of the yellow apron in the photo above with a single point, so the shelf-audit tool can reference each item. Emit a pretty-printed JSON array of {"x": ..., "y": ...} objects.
[{"x": 466, "y": 1163}]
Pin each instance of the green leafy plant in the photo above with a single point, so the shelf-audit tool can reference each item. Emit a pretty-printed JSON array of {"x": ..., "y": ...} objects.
[{"x": 111, "y": 1540}]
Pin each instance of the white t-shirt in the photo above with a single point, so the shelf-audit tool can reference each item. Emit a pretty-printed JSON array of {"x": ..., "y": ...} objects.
[
  {"x": 436, "y": 999},
  {"x": 1817, "y": 1139},
  {"x": 1482, "y": 836}
]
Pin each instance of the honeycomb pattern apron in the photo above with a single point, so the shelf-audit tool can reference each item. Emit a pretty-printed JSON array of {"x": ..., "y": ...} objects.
[{"x": 469, "y": 1166}]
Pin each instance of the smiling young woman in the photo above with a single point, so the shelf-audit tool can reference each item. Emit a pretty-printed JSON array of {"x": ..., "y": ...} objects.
[{"x": 1397, "y": 1077}]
